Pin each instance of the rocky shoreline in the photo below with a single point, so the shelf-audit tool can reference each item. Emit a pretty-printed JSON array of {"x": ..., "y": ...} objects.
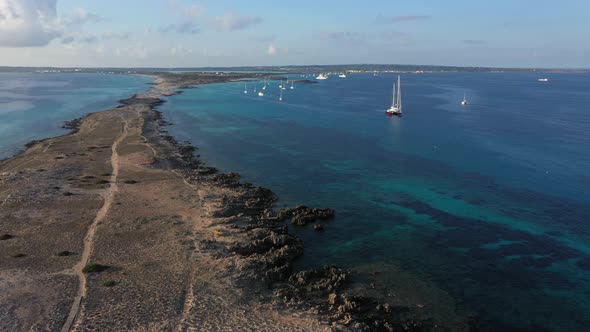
[
  {"x": 269, "y": 252},
  {"x": 238, "y": 231}
]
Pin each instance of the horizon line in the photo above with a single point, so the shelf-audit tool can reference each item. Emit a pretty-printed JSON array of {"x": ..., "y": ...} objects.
[{"x": 306, "y": 65}]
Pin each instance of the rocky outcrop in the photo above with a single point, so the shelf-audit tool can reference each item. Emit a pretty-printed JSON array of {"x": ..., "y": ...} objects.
[
  {"x": 151, "y": 102},
  {"x": 271, "y": 252},
  {"x": 302, "y": 215}
]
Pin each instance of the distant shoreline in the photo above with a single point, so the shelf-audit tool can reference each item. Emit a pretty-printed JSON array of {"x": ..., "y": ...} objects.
[{"x": 295, "y": 69}]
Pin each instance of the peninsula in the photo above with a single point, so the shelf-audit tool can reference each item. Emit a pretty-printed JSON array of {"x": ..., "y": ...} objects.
[{"x": 116, "y": 226}]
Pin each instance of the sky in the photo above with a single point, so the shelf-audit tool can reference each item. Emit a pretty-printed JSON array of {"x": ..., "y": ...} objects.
[{"x": 190, "y": 33}]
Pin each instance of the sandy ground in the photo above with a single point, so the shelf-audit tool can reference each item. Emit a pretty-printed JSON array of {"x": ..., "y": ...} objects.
[{"x": 96, "y": 195}]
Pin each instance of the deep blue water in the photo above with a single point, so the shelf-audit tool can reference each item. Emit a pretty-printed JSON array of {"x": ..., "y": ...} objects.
[
  {"x": 34, "y": 106},
  {"x": 491, "y": 202}
]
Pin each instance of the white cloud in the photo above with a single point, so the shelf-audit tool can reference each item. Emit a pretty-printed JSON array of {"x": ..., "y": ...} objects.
[
  {"x": 231, "y": 22},
  {"x": 82, "y": 16},
  {"x": 187, "y": 16},
  {"x": 28, "y": 22},
  {"x": 272, "y": 50},
  {"x": 180, "y": 51},
  {"x": 115, "y": 35},
  {"x": 135, "y": 51},
  {"x": 183, "y": 28},
  {"x": 67, "y": 40},
  {"x": 189, "y": 12},
  {"x": 34, "y": 23}
]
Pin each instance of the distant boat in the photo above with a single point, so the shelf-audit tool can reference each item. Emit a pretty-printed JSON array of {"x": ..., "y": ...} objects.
[
  {"x": 264, "y": 87},
  {"x": 245, "y": 87},
  {"x": 396, "y": 105},
  {"x": 284, "y": 86},
  {"x": 292, "y": 84},
  {"x": 343, "y": 75},
  {"x": 321, "y": 77},
  {"x": 260, "y": 94},
  {"x": 464, "y": 101},
  {"x": 281, "y": 95},
  {"x": 543, "y": 80}
]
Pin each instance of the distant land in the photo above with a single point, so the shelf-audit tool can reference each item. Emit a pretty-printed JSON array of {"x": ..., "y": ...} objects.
[{"x": 361, "y": 68}]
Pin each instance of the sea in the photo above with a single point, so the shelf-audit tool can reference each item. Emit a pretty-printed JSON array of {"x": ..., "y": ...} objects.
[
  {"x": 488, "y": 204},
  {"x": 34, "y": 106}
]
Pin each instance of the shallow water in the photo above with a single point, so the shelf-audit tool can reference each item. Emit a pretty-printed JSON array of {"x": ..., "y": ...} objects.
[
  {"x": 34, "y": 106},
  {"x": 490, "y": 201}
]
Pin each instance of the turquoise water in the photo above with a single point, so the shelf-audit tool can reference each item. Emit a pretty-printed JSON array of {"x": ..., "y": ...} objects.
[
  {"x": 34, "y": 106},
  {"x": 491, "y": 201}
]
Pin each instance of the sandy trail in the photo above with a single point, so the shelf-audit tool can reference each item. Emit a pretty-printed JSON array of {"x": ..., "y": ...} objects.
[{"x": 76, "y": 311}]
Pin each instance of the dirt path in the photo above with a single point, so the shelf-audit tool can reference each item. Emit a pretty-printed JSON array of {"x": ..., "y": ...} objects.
[{"x": 77, "y": 309}]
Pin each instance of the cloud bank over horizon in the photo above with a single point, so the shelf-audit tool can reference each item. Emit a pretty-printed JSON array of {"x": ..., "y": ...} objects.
[
  {"x": 185, "y": 33},
  {"x": 29, "y": 22}
]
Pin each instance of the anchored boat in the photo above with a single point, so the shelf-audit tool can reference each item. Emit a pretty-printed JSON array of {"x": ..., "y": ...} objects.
[{"x": 396, "y": 105}]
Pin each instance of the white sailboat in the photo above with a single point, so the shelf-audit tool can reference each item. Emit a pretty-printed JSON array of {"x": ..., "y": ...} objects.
[
  {"x": 321, "y": 77},
  {"x": 264, "y": 87},
  {"x": 343, "y": 75},
  {"x": 245, "y": 87},
  {"x": 261, "y": 94},
  {"x": 281, "y": 95},
  {"x": 464, "y": 101},
  {"x": 292, "y": 84},
  {"x": 396, "y": 105}
]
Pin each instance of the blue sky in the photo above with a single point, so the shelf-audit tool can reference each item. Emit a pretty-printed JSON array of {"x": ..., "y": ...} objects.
[{"x": 182, "y": 33}]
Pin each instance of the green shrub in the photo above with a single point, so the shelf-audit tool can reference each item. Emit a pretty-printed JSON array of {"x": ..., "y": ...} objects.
[
  {"x": 93, "y": 267},
  {"x": 109, "y": 283}
]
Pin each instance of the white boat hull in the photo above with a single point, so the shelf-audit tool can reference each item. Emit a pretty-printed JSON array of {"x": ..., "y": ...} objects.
[{"x": 393, "y": 111}]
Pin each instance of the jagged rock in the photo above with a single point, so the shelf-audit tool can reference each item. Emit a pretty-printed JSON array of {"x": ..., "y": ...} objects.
[
  {"x": 228, "y": 180},
  {"x": 325, "y": 280},
  {"x": 278, "y": 273},
  {"x": 302, "y": 215},
  {"x": 332, "y": 298},
  {"x": 73, "y": 125}
]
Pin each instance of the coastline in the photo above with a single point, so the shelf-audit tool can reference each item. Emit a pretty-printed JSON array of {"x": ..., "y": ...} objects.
[{"x": 208, "y": 221}]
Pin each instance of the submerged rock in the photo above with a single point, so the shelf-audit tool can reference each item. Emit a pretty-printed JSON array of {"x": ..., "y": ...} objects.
[{"x": 302, "y": 215}]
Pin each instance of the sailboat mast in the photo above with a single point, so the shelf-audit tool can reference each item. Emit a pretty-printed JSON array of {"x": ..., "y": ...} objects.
[
  {"x": 393, "y": 102},
  {"x": 399, "y": 93}
]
